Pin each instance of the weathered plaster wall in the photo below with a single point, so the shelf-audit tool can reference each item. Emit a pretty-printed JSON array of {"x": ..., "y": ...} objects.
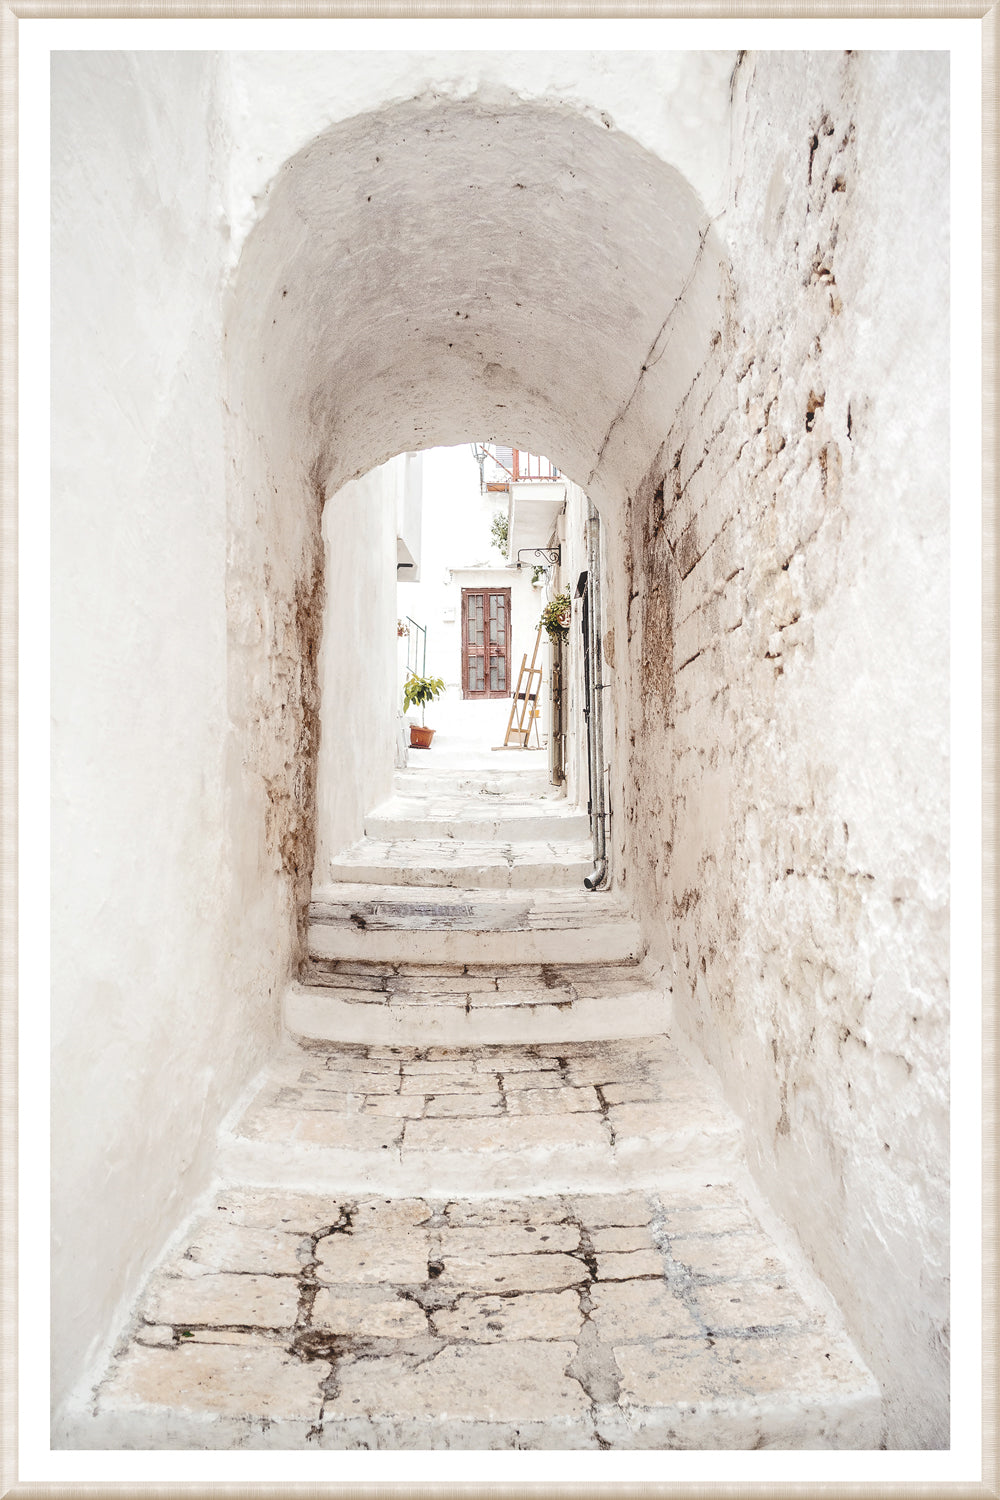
[
  {"x": 783, "y": 627},
  {"x": 162, "y": 1001},
  {"x": 357, "y": 660}
]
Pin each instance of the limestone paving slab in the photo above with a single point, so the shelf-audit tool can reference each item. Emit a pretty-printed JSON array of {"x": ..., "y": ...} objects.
[
  {"x": 262, "y": 1381},
  {"x": 462, "y": 1106},
  {"x": 224, "y": 1299},
  {"x": 225, "y": 1246},
  {"x": 319, "y": 1127},
  {"x": 490, "y": 1322},
  {"x": 525, "y": 1315},
  {"x": 384, "y": 1315},
  {"x": 524, "y": 1238},
  {"x": 374, "y": 1257},
  {"x": 511, "y": 1382},
  {"x": 631, "y": 1311}
]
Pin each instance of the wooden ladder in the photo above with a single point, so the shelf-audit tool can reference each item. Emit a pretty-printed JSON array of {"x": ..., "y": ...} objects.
[{"x": 523, "y": 708}]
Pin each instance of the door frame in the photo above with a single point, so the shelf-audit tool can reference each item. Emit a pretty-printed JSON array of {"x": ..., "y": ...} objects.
[{"x": 485, "y": 589}]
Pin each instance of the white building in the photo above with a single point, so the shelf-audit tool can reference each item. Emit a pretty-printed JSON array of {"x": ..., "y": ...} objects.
[{"x": 471, "y": 587}]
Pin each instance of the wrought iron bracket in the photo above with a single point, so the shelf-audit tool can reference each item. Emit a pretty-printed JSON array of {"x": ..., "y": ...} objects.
[{"x": 550, "y": 555}]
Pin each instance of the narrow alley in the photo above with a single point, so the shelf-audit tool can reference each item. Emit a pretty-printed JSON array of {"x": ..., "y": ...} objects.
[
  {"x": 579, "y": 1084},
  {"x": 481, "y": 1198}
]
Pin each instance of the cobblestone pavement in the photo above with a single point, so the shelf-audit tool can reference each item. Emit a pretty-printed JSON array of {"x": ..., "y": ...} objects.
[{"x": 575, "y": 1321}]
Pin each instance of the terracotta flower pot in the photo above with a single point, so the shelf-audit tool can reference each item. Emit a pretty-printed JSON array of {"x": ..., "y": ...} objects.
[{"x": 420, "y": 738}]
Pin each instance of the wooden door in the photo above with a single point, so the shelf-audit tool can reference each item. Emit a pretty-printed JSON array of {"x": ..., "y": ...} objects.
[{"x": 486, "y": 643}]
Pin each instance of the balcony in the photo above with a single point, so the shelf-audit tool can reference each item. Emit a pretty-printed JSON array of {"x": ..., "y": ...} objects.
[{"x": 500, "y": 467}]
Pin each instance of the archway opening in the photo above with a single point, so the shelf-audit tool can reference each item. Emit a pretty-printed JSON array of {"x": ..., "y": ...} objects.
[{"x": 440, "y": 272}]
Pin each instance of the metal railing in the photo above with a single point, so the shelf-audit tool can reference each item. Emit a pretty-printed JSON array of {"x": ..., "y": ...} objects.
[
  {"x": 500, "y": 467},
  {"x": 416, "y": 648}
]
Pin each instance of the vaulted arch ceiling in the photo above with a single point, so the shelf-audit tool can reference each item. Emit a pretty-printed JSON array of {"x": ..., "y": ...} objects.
[{"x": 440, "y": 269}]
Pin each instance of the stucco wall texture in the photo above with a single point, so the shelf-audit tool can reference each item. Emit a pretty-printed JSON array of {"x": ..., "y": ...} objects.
[
  {"x": 714, "y": 291},
  {"x": 163, "y": 997},
  {"x": 357, "y": 660}
]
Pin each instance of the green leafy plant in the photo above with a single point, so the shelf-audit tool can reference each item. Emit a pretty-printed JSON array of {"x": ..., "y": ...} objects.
[
  {"x": 498, "y": 531},
  {"x": 555, "y": 617},
  {"x": 421, "y": 691},
  {"x": 538, "y": 573}
]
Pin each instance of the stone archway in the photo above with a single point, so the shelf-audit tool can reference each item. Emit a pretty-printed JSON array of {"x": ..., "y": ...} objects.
[{"x": 431, "y": 273}]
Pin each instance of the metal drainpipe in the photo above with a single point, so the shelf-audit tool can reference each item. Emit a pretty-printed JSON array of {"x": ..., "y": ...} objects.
[
  {"x": 599, "y": 875},
  {"x": 557, "y": 751}
]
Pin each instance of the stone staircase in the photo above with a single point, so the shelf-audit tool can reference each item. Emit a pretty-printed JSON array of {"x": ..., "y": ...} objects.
[
  {"x": 482, "y": 1198},
  {"x": 503, "y": 806}
]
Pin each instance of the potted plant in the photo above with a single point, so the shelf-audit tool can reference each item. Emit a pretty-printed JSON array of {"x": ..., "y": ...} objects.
[
  {"x": 421, "y": 690},
  {"x": 555, "y": 617}
]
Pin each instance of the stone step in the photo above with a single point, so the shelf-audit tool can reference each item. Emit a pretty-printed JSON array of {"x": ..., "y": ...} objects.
[
  {"x": 468, "y": 817},
  {"x": 468, "y": 865},
  {"x": 421, "y": 925},
  {"x": 590, "y": 1115},
  {"x": 470, "y": 1006},
  {"x": 502, "y": 781},
  {"x": 664, "y": 1319}
]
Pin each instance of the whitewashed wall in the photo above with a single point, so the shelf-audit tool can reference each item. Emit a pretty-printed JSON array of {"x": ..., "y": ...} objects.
[
  {"x": 163, "y": 1002},
  {"x": 357, "y": 661}
]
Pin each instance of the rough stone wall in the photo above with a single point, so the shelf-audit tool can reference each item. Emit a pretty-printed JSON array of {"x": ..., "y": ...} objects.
[
  {"x": 784, "y": 605},
  {"x": 274, "y": 604}
]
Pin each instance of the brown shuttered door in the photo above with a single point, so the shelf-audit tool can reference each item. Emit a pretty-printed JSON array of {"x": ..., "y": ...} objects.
[{"x": 485, "y": 643}]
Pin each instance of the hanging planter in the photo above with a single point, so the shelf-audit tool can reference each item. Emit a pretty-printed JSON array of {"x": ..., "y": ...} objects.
[{"x": 555, "y": 618}]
